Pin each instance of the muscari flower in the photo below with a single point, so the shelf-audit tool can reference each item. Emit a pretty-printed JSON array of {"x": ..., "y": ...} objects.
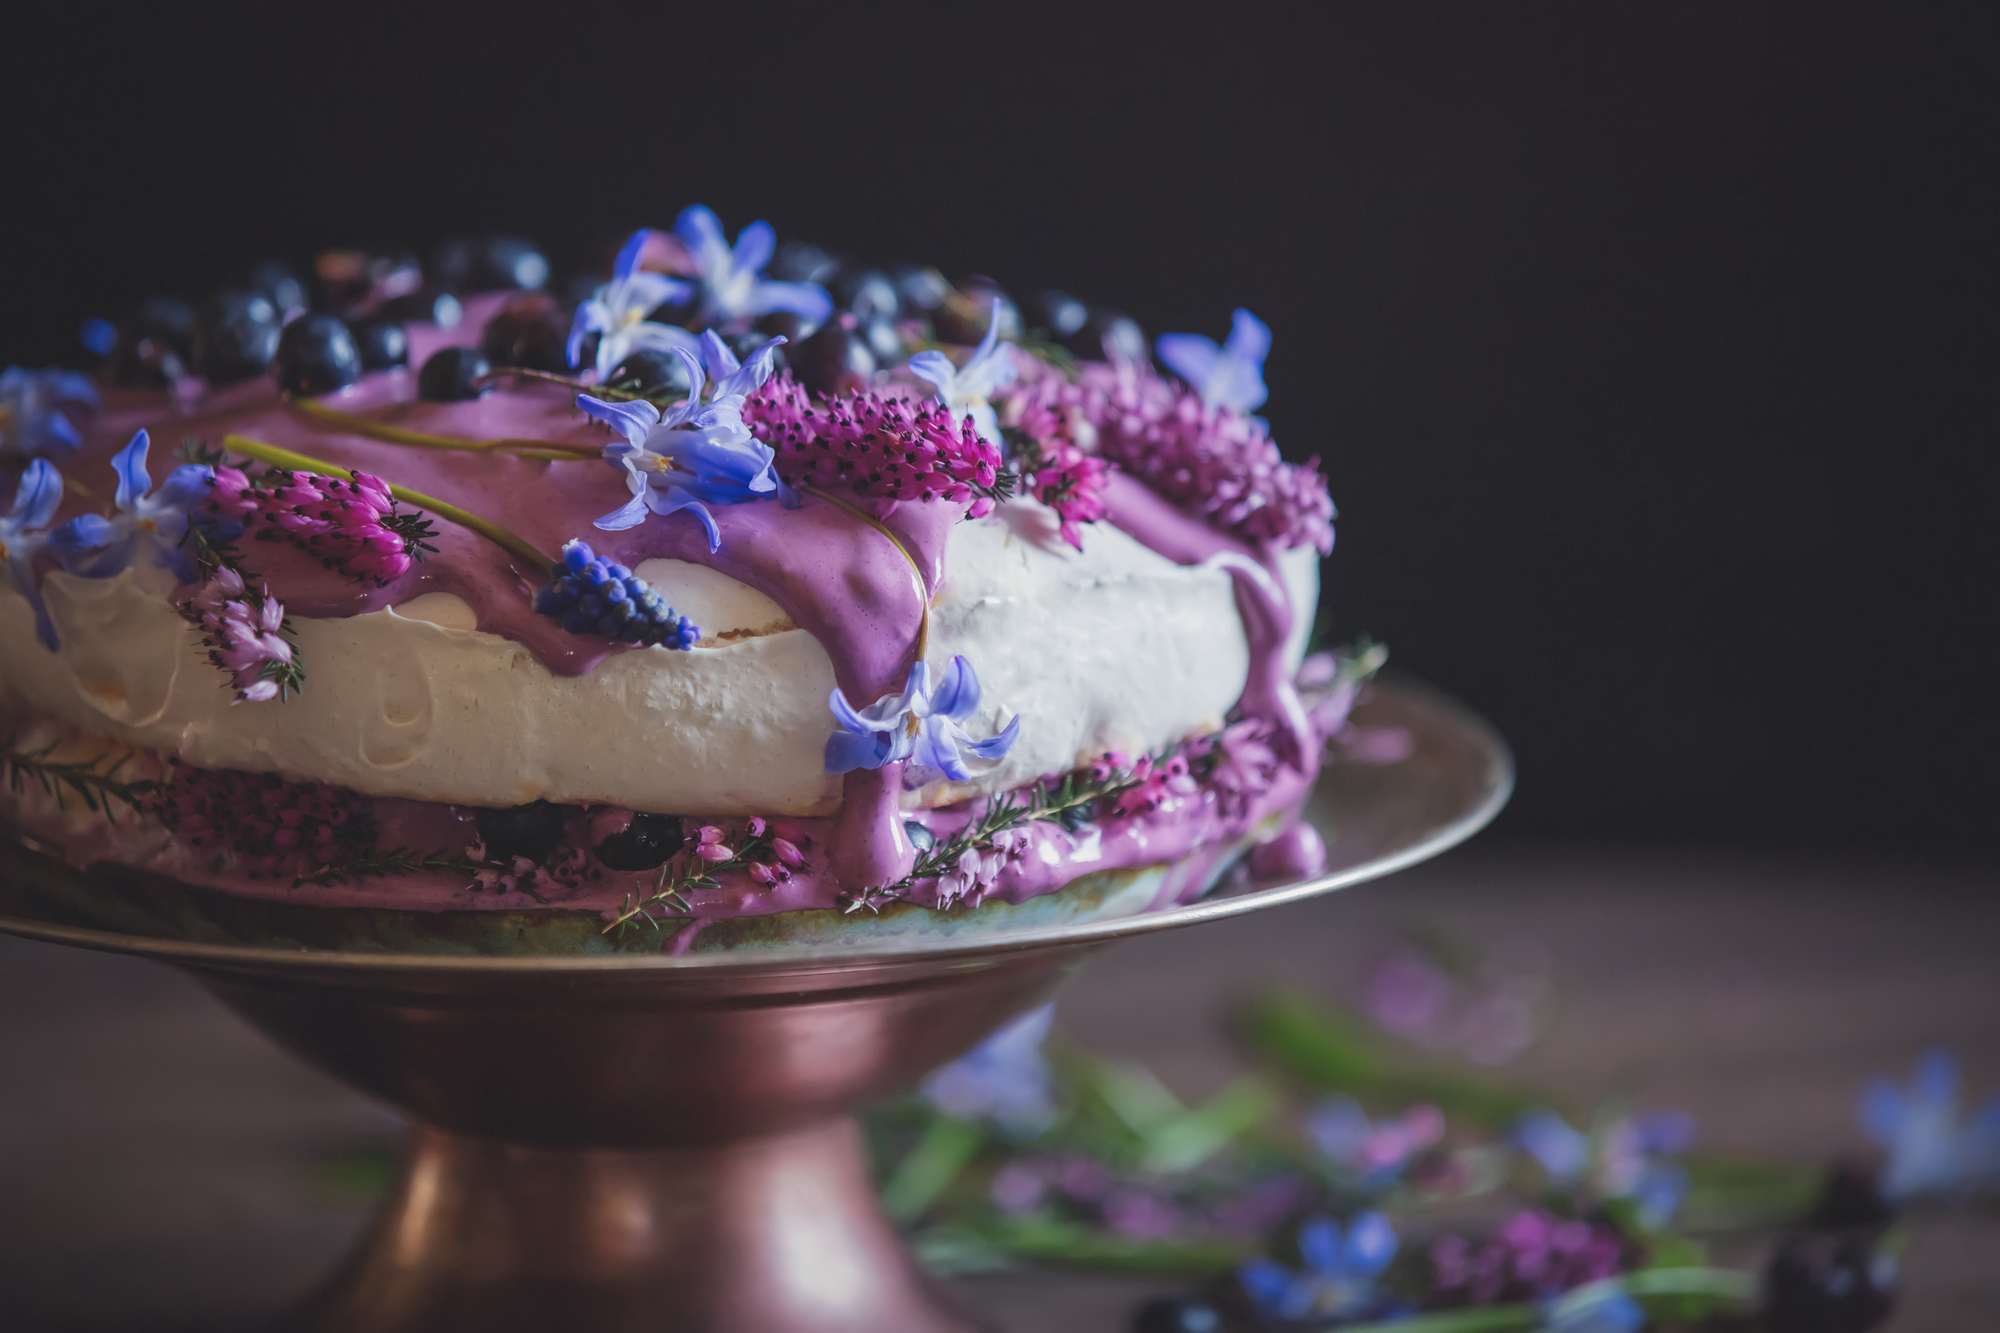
[
  {"x": 921, "y": 723},
  {"x": 731, "y": 289},
  {"x": 965, "y": 389},
  {"x": 1005, "y": 1079},
  {"x": 32, "y": 416},
  {"x": 148, "y": 521},
  {"x": 698, "y": 452},
  {"x": 1931, "y": 1150},
  {"x": 1339, "y": 1274},
  {"x": 617, "y": 312},
  {"x": 23, "y": 532},
  {"x": 1229, "y": 377},
  {"x": 596, "y": 596}
]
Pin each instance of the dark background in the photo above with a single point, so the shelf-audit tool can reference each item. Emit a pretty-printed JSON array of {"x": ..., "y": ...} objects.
[{"x": 1648, "y": 347}]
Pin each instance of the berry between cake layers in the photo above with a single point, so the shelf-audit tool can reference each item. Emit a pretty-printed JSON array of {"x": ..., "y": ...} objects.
[{"x": 716, "y": 611}]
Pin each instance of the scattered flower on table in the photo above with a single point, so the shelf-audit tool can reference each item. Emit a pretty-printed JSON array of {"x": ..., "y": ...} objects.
[
  {"x": 1229, "y": 378},
  {"x": 617, "y": 312},
  {"x": 1338, "y": 1277},
  {"x": 698, "y": 452},
  {"x": 36, "y": 407},
  {"x": 1374, "y": 1150},
  {"x": 1004, "y": 1080},
  {"x": 923, "y": 724},
  {"x": 1533, "y": 1256},
  {"x": 733, "y": 290},
  {"x": 1598, "y": 1307},
  {"x": 1932, "y": 1150},
  {"x": 1627, "y": 1158},
  {"x": 967, "y": 390},
  {"x": 24, "y": 532},
  {"x": 148, "y": 522}
]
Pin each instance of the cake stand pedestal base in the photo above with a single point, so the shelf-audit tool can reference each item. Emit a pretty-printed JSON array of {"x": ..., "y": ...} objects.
[{"x": 764, "y": 1235}]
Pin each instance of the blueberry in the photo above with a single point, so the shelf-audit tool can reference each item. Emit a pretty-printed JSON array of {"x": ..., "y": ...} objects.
[
  {"x": 531, "y": 830},
  {"x": 342, "y": 277},
  {"x": 1061, "y": 314},
  {"x": 1823, "y": 1284},
  {"x": 155, "y": 344},
  {"x": 794, "y": 328},
  {"x": 452, "y": 375},
  {"x": 743, "y": 344},
  {"x": 531, "y": 331},
  {"x": 316, "y": 355},
  {"x": 278, "y": 283},
  {"x": 1106, "y": 336},
  {"x": 884, "y": 341},
  {"x": 799, "y": 262},
  {"x": 1176, "y": 1314},
  {"x": 921, "y": 287},
  {"x": 1849, "y": 1198},
  {"x": 235, "y": 336},
  {"x": 920, "y": 837},
  {"x": 427, "y": 305},
  {"x": 836, "y": 359},
  {"x": 490, "y": 263},
  {"x": 382, "y": 343},
  {"x": 966, "y": 311},
  {"x": 647, "y": 842},
  {"x": 653, "y": 370},
  {"x": 869, "y": 293}
]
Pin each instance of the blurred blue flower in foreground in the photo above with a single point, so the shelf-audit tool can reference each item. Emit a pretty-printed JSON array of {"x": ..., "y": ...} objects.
[
  {"x": 1005, "y": 1079},
  {"x": 617, "y": 312},
  {"x": 1931, "y": 1151},
  {"x": 1339, "y": 1276},
  {"x": 1599, "y": 1307},
  {"x": 1231, "y": 376},
  {"x": 1626, "y": 1158},
  {"x": 35, "y": 410},
  {"x": 1375, "y": 1150}
]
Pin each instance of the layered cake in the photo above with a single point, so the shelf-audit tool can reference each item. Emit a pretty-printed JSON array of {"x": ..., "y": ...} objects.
[{"x": 747, "y": 597}]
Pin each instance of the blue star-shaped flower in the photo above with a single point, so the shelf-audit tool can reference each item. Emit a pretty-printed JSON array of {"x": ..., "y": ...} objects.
[
  {"x": 921, "y": 723},
  {"x": 698, "y": 452},
  {"x": 23, "y": 532},
  {"x": 147, "y": 521},
  {"x": 966, "y": 389},
  {"x": 617, "y": 312},
  {"x": 732, "y": 290},
  {"x": 1005, "y": 1079},
  {"x": 1339, "y": 1276},
  {"x": 32, "y": 416},
  {"x": 1230, "y": 376},
  {"x": 1931, "y": 1150}
]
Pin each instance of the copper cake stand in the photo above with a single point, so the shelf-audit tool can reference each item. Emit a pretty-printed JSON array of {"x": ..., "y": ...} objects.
[{"x": 648, "y": 1142}]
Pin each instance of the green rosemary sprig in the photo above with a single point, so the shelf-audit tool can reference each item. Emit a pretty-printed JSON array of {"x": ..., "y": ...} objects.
[
  {"x": 1071, "y": 803},
  {"x": 90, "y": 780},
  {"x": 680, "y": 875},
  {"x": 396, "y": 861}
]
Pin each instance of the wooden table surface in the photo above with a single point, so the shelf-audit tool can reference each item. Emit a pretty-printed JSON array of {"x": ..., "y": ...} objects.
[{"x": 163, "y": 1168}]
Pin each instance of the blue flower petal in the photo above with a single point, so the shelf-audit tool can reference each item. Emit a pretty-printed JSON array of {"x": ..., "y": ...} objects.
[
  {"x": 1371, "y": 1244},
  {"x": 937, "y": 747},
  {"x": 41, "y": 492},
  {"x": 718, "y": 359},
  {"x": 628, "y": 255},
  {"x": 634, "y": 420},
  {"x": 628, "y": 515},
  {"x": 755, "y": 245},
  {"x": 936, "y": 367},
  {"x": 186, "y": 486},
  {"x": 1266, "y": 1284},
  {"x": 752, "y": 373},
  {"x": 957, "y": 692},
  {"x": 1319, "y": 1244},
  {"x": 808, "y": 300},
  {"x": 847, "y": 751},
  {"x": 130, "y": 465},
  {"x": 699, "y": 229},
  {"x": 1189, "y": 355},
  {"x": 996, "y": 747}
]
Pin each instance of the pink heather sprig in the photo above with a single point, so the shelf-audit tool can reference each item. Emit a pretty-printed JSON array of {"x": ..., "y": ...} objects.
[
  {"x": 1214, "y": 462},
  {"x": 271, "y": 825},
  {"x": 1237, "y": 763},
  {"x": 882, "y": 449},
  {"x": 350, "y": 526},
  {"x": 244, "y": 631},
  {"x": 1534, "y": 1256},
  {"x": 1154, "y": 782},
  {"x": 1071, "y": 482}
]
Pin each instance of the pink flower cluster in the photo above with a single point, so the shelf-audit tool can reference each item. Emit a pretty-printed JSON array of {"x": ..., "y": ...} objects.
[
  {"x": 1155, "y": 783},
  {"x": 241, "y": 630},
  {"x": 1533, "y": 1256},
  {"x": 273, "y": 825},
  {"x": 1239, "y": 763},
  {"x": 352, "y": 526},
  {"x": 1071, "y": 482},
  {"x": 1217, "y": 463},
  {"x": 883, "y": 449},
  {"x": 977, "y": 871}
]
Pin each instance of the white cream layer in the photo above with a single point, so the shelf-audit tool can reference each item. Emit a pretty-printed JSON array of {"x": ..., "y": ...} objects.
[{"x": 1112, "y": 647}]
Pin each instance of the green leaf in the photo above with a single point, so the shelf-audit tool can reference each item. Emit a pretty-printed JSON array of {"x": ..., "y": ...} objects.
[{"x": 941, "y": 1155}]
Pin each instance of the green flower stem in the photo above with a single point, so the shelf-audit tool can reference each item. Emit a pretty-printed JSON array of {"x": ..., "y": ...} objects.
[
  {"x": 946, "y": 1148},
  {"x": 493, "y": 532}
]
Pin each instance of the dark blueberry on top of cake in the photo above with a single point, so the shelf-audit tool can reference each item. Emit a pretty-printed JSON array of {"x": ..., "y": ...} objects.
[
  {"x": 651, "y": 370},
  {"x": 644, "y": 843},
  {"x": 155, "y": 344},
  {"x": 531, "y": 830},
  {"x": 531, "y": 331},
  {"x": 746, "y": 343},
  {"x": 382, "y": 343},
  {"x": 968, "y": 309},
  {"x": 316, "y": 355},
  {"x": 922, "y": 287},
  {"x": 869, "y": 293},
  {"x": 490, "y": 263},
  {"x": 1108, "y": 336},
  {"x": 884, "y": 342},
  {"x": 835, "y": 359},
  {"x": 235, "y": 336},
  {"x": 1059, "y": 313},
  {"x": 452, "y": 375},
  {"x": 427, "y": 305},
  {"x": 799, "y": 261},
  {"x": 278, "y": 284}
]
